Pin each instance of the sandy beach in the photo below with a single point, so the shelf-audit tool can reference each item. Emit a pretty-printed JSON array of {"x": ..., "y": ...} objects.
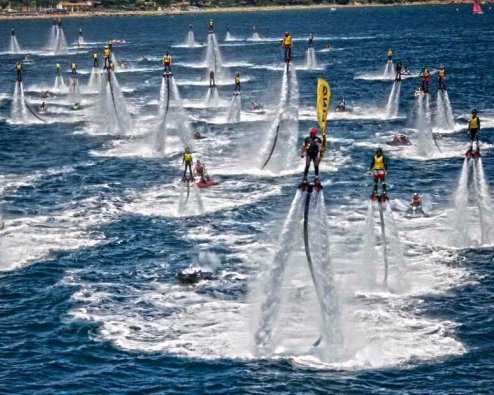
[{"x": 205, "y": 10}]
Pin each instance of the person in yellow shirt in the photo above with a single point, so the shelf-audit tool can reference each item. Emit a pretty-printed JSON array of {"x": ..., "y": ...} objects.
[
  {"x": 18, "y": 68},
  {"x": 441, "y": 75},
  {"x": 107, "y": 56},
  {"x": 287, "y": 45},
  {"x": 73, "y": 67},
  {"x": 379, "y": 169},
  {"x": 473, "y": 128},
  {"x": 58, "y": 67},
  {"x": 390, "y": 55},
  {"x": 167, "y": 62},
  {"x": 425, "y": 75},
  {"x": 95, "y": 59},
  {"x": 187, "y": 160},
  {"x": 237, "y": 83}
]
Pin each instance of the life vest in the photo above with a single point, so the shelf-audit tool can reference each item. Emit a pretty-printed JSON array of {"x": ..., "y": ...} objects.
[
  {"x": 473, "y": 123},
  {"x": 378, "y": 162},
  {"x": 311, "y": 37},
  {"x": 237, "y": 80},
  {"x": 442, "y": 73},
  {"x": 73, "y": 66},
  {"x": 18, "y": 67},
  {"x": 95, "y": 55},
  {"x": 287, "y": 40},
  {"x": 188, "y": 157},
  {"x": 106, "y": 52},
  {"x": 312, "y": 144},
  {"x": 167, "y": 59},
  {"x": 58, "y": 66},
  {"x": 426, "y": 73},
  {"x": 390, "y": 53}
]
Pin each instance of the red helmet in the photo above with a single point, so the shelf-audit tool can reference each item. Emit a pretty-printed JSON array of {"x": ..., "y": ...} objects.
[{"x": 313, "y": 131}]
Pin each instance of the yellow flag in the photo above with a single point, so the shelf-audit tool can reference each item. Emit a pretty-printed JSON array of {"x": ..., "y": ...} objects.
[{"x": 323, "y": 101}]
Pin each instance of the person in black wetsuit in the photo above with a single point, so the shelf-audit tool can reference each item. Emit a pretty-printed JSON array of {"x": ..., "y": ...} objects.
[
  {"x": 399, "y": 65},
  {"x": 310, "y": 150}
]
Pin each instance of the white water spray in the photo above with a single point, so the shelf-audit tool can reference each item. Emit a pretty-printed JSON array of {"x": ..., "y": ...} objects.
[
  {"x": 483, "y": 201},
  {"x": 59, "y": 85},
  {"x": 80, "y": 41},
  {"x": 281, "y": 139},
  {"x": 298, "y": 307},
  {"x": 444, "y": 113},
  {"x": 190, "y": 41},
  {"x": 234, "y": 110},
  {"x": 392, "y": 106},
  {"x": 389, "y": 70},
  {"x": 190, "y": 201},
  {"x": 426, "y": 144},
  {"x": 74, "y": 90},
  {"x": 19, "y": 111},
  {"x": 272, "y": 288},
  {"x": 369, "y": 257},
  {"x": 94, "y": 83},
  {"x": 14, "y": 45},
  {"x": 214, "y": 62},
  {"x": 58, "y": 45},
  {"x": 460, "y": 213},
  {"x": 311, "y": 61},
  {"x": 112, "y": 111},
  {"x": 172, "y": 117}
]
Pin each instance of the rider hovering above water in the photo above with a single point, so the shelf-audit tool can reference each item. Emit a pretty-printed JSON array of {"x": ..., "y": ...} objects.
[
  {"x": 18, "y": 69},
  {"x": 473, "y": 129},
  {"x": 398, "y": 71},
  {"x": 287, "y": 45},
  {"x": 107, "y": 56},
  {"x": 425, "y": 75},
  {"x": 167, "y": 62},
  {"x": 390, "y": 55},
  {"x": 310, "y": 150},
  {"x": 187, "y": 160},
  {"x": 379, "y": 168},
  {"x": 441, "y": 75},
  {"x": 311, "y": 40}
]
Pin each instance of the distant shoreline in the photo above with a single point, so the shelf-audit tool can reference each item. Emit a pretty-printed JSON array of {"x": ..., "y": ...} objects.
[{"x": 178, "y": 11}]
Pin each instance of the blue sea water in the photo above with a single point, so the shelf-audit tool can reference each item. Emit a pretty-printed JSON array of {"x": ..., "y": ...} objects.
[{"x": 93, "y": 239}]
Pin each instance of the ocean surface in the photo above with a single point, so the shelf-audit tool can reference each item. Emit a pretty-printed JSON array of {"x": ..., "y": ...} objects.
[{"x": 96, "y": 224}]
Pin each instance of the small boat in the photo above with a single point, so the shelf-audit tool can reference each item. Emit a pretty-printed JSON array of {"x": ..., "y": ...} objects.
[
  {"x": 192, "y": 275},
  {"x": 477, "y": 8},
  {"x": 206, "y": 183}
]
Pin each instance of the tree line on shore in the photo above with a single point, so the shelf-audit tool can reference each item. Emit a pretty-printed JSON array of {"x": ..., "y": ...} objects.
[{"x": 153, "y": 4}]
